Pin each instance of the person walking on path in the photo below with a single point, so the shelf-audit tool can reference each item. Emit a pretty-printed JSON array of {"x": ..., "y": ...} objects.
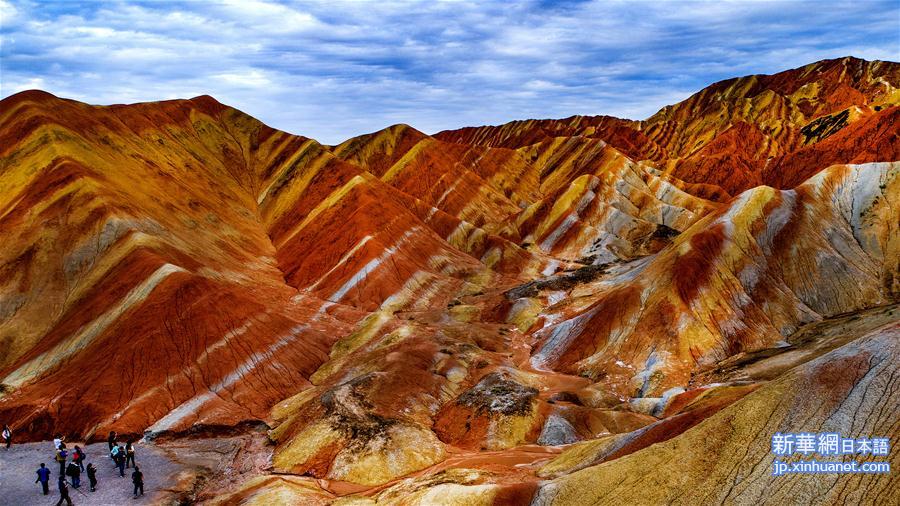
[
  {"x": 63, "y": 492},
  {"x": 120, "y": 461},
  {"x": 43, "y": 478},
  {"x": 129, "y": 453},
  {"x": 61, "y": 455},
  {"x": 7, "y": 436},
  {"x": 114, "y": 455},
  {"x": 78, "y": 457},
  {"x": 58, "y": 441},
  {"x": 74, "y": 472},
  {"x": 111, "y": 439},
  {"x": 137, "y": 477},
  {"x": 92, "y": 476}
]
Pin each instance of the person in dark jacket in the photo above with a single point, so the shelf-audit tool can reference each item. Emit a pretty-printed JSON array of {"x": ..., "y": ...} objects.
[
  {"x": 63, "y": 492},
  {"x": 137, "y": 477},
  {"x": 43, "y": 478},
  {"x": 120, "y": 461},
  {"x": 111, "y": 439},
  {"x": 74, "y": 472},
  {"x": 129, "y": 453},
  {"x": 78, "y": 457},
  {"x": 92, "y": 476},
  {"x": 7, "y": 436}
]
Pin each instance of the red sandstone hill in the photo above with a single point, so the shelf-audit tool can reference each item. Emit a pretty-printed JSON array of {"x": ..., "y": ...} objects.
[{"x": 476, "y": 310}]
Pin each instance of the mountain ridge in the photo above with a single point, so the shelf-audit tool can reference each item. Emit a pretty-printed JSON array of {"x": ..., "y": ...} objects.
[{"x": 665, "y": 143}]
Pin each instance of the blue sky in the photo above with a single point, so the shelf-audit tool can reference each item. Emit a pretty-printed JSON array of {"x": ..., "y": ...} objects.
[{"x": 331, "y": 70}]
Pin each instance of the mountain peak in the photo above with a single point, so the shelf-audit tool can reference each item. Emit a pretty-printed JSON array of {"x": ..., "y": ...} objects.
[{"x": 34, "y": 95}]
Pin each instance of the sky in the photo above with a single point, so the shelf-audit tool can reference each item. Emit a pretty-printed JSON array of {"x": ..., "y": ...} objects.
[{"x": 331, "y": 70}]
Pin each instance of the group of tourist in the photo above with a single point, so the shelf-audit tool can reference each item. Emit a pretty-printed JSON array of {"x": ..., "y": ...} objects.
[{"x": 72, "y": 464}]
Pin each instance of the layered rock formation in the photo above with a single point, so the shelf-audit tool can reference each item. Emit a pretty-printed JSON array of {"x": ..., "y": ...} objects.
[
  {"x": 529, "y": 312},
  {"x": 740, "y": 279},
  {"x": 774, "y": 130},
  {"x": 851, "y": 390}
]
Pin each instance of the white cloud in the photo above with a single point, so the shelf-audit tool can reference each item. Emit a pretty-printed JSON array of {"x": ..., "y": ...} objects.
[
  {"x": 542, "y": 85},
  {"x": 268, "y": 16},
  {"x": 8, "y": 13},
  {"x": 34, "y": 83},
  {"x": 248, "y": 78},
  {"x": 331, "y": 70}
]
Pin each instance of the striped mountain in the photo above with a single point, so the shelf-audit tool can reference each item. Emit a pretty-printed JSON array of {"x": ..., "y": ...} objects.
[{"x": 460, "y": 316}]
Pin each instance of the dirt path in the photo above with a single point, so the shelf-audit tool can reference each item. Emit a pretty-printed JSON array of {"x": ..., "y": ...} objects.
[{"x": 18, "y": 466}]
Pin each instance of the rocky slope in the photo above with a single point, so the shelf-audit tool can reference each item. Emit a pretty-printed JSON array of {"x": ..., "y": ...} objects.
[
  {"x": 774, "y": 130},
  {"x": 495, "y": 315}
]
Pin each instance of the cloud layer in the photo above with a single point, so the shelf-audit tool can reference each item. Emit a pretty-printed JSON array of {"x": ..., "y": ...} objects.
[{"x": 330, "y": 70}]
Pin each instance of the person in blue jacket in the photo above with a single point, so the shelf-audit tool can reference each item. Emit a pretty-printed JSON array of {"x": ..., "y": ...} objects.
[{"x": 43, "y": 478}]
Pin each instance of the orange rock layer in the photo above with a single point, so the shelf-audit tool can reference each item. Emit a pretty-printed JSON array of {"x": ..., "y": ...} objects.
[{"x": 774, "y": 130}]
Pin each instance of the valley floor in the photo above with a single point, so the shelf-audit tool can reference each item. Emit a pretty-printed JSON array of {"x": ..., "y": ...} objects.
[{"x": 162, "y": 476}]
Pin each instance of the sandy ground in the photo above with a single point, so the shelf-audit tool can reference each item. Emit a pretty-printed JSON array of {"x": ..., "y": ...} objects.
[{"x": 19, "y": 464}]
